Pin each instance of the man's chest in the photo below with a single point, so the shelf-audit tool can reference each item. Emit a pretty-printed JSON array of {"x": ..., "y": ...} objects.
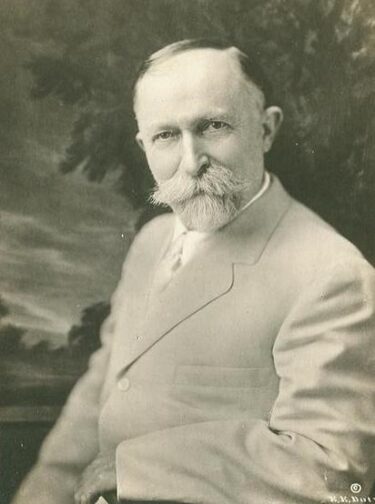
[
  {"x": 233, "y": 322},
  {"x": 214, "y": 362}
]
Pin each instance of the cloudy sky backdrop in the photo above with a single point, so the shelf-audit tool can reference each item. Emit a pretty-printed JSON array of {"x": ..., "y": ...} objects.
[{"x": 62, "y": 239}]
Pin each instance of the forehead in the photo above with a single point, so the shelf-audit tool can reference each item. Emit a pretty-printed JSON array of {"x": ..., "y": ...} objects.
[{"x": 193, "y": 82}]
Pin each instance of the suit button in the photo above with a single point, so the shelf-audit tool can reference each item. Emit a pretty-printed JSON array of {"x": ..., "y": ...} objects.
[{"x": 123, "y": 384}]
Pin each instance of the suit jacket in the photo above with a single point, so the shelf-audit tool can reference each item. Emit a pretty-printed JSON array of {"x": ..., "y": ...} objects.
[{"x": 250, "y": 379}]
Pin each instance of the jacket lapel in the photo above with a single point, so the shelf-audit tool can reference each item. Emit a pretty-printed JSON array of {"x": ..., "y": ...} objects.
[
  {"x": 210, "y": 273},
  {"x": 200, "y": 282}
]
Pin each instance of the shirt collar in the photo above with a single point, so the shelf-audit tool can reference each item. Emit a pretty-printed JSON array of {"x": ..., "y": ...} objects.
[{"x": 180, "y": 228}]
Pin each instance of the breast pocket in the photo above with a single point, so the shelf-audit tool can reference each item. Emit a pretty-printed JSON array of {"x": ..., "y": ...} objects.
[{"x": 212, "y": 376}]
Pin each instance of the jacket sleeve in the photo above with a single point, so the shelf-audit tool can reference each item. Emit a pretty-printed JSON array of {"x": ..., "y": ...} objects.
[
  {"x": 73, "y": 441},
  {"x": 319, "y": 439}
]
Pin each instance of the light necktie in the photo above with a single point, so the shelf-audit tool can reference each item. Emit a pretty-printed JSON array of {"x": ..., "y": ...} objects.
[{"x": 170, "y": 263}]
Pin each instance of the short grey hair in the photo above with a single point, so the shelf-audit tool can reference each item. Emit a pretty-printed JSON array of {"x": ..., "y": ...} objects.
[{"x": 251, "y": 69}]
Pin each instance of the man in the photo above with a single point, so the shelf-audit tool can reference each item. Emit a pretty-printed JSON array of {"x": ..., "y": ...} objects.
[{"x": 238, "y": 362}]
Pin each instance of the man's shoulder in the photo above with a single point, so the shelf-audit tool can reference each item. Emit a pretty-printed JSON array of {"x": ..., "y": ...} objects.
[
  {"x": 155, "y": 231},
  {"x": 301, "y": 234},
  {"x": 306, "y": 245},
  {"x": 305, "y": 251},
  {"x": 148, "y": 242},
  {"x": 161, "y": 223},
  {"x": 317, "y": 237}
]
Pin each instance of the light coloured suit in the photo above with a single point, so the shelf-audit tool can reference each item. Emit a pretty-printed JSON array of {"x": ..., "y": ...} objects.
[{"x": 250, "y": 379}]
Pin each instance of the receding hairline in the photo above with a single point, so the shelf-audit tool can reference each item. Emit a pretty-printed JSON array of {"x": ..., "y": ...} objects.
[
  {"x": 249, "y": 69},
  {"x": 184, "y": 46}
]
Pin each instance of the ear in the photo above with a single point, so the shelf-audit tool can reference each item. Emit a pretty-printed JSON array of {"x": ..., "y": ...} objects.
[
  {"x": 140, "y": 141},
  {"x": 272, "y": 120}
]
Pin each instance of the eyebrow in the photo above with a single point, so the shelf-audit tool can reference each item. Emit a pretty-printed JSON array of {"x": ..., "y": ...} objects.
[
  {"x": 220, "y": 116},
  {"x": 215, "y": 115}
]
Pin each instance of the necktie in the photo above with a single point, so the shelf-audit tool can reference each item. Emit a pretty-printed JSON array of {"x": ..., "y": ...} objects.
[{"x": 170, "y": 263}]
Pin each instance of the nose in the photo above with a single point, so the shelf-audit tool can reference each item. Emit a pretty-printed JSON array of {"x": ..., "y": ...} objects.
[{"x": 194, "y": 161}]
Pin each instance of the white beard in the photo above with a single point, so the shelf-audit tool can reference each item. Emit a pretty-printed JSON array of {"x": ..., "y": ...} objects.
[{"x": 203, "y": 203}]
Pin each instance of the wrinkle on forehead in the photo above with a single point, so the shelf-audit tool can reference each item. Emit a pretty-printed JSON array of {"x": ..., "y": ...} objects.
[{"x": 202, "y": 67}]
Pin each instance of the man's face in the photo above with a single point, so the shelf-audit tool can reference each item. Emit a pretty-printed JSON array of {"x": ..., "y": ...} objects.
[{"x": 201, "y": 126}]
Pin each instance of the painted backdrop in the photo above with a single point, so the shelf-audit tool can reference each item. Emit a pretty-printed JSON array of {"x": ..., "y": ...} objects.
[{"x": 73, "y": 185}]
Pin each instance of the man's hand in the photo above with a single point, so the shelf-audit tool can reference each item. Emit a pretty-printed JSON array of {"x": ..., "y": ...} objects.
[{"x": 97, "y": 478}]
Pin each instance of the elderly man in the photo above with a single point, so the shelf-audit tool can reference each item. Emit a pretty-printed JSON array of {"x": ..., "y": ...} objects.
[{"x": 238, "y": 362}]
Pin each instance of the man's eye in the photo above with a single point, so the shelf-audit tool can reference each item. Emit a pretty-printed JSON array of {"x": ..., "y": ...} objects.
[
  {"x": 215, "y": 126},
  {"x": 164, "y": 135}
]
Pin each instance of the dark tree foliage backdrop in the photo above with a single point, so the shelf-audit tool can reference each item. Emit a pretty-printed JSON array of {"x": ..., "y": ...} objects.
[{"x": 319, "y": 55}]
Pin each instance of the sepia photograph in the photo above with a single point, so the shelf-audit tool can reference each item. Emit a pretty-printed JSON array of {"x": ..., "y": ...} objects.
[{"x": 187, "y": 251}]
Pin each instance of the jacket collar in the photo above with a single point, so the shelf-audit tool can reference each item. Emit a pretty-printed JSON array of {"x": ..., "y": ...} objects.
[{"x": 244, "y": 239}]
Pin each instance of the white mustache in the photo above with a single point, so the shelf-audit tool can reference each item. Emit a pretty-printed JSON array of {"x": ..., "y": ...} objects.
[{"x": 216, "y": 182}]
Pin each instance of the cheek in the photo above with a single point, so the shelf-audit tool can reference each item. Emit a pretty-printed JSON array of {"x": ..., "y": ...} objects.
[
  {"x": 251, "y": 148},
  {"x": 163, "y": 164},
  {"x": 227, "y": 152},
  {"x": 240, "y": 154}
]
